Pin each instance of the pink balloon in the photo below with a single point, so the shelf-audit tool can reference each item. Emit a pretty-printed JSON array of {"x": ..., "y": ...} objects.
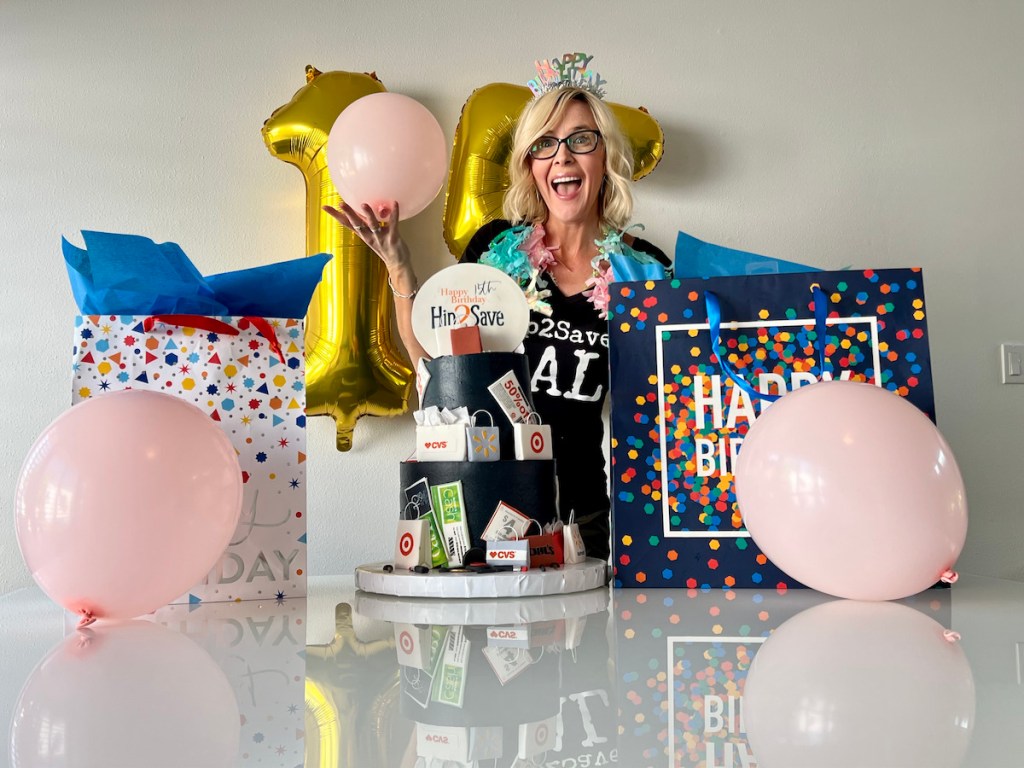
[
  {"x": 387, "y": 147},
  {"x": 851, "y": 490},
  {"x": 125, "y": 501}
]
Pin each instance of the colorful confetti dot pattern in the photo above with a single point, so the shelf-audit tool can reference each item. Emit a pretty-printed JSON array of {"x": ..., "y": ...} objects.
[
  {"x": 678, "y": 420},
  {"x": 257, "y": 398}
]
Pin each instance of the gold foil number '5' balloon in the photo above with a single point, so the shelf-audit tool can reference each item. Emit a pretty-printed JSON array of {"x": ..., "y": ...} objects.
[
  {"x": 478, "y": 176},
  {"x": 352, "y": 367}
]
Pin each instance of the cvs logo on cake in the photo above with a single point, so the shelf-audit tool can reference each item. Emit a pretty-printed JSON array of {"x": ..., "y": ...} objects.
[
  {"x": 435, "y": 738},
  {"x": 509, "y": 634},
  {"x": 435, "y": 445}
]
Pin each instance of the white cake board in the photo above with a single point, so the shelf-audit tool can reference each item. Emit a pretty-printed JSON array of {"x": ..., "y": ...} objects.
[
  {"x": 579, "y": 577},
  {"x": 481, "y": 611}
]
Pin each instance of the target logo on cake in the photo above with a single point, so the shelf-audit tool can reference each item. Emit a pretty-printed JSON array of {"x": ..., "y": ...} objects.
[
  {"x": 532, "y": 441},
  {"x": 406, "y": 643},
  {"x": 541, "y": 735},
  {"x": 406, "y": 543},
  {"x": 537, "y": 442}
]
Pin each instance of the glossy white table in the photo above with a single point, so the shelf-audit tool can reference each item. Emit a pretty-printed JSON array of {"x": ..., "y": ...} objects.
[{"x": 628, "y": 677}]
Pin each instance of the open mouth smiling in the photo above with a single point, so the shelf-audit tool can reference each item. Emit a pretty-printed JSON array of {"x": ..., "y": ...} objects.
[{"x": 566, "y": 185}]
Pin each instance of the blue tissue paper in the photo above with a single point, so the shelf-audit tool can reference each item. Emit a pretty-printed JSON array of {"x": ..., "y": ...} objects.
[
  {"x": 696, "y": 258},
  {"x": 119, "y": 274}
]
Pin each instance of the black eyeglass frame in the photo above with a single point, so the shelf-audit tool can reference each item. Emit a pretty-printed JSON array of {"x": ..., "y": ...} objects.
[{"x": 566, "y": 140}]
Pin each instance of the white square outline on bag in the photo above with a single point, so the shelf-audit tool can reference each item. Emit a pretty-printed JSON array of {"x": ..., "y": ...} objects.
[{"x": 666, "y": 511}]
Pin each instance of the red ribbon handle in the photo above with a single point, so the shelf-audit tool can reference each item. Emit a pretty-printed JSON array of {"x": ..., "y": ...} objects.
[
  {"x": 201, "y": 322},
  {"x": 212, "y": 324}
]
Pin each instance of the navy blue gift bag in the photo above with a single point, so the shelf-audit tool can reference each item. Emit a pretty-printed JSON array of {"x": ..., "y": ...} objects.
[{"x": 695, "y": 361}]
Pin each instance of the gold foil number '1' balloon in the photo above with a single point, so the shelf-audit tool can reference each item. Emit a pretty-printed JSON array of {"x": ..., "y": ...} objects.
[
  {"x": 352, "y": 367},
  {"x": 478, "y": 176}
]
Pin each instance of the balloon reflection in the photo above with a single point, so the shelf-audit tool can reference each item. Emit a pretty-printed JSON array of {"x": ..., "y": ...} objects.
[
  {"x": 853, "y": 683},
  {"x": 129, "y": 693}
]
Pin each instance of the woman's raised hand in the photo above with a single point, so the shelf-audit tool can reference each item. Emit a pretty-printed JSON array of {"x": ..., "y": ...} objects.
[
  {"x": 384, "y": 240},
  {"x": 381, "y": 236}
]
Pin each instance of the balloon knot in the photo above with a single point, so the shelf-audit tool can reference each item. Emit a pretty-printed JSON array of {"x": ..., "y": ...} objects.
[
  {"x": 949, "y": 576},
  {"x": 951, "y": 636},
  {"x": 87, "y": 618}
]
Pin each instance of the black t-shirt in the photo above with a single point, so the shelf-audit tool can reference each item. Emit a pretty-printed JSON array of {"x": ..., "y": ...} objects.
[{"x": 568, "y": 354}]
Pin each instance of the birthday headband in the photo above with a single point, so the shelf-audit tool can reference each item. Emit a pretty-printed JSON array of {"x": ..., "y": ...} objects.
[{"x": 572, "y": 70}]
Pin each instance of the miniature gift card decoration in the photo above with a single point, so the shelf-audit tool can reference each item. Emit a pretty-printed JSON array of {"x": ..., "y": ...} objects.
[
  {"x": 507, "y": 662},
  {"x": 506, "y": 523},
  {"x": 467, "y": 295},
  {"x": 482, "y": 442},
  {"x": 450, "y": 509},
  {"x": 532, "y": 441},
  {"x": 511, "y": 397}
]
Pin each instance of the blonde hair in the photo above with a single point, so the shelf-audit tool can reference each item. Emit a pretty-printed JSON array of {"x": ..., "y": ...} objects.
[{"x": 522, "y": 201}]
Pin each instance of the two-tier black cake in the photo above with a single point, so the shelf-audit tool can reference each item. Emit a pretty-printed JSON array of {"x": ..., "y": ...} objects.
[{"x": 526, "y": 485}]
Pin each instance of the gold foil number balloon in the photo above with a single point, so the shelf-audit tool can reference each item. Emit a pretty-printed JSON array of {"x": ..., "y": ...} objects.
[
  {"x": 352, "y": 366},
  {"x": 478, "y": 176}
]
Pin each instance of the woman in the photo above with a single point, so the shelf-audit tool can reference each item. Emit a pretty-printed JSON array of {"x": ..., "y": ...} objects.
[{"x": 569, "y": 199}]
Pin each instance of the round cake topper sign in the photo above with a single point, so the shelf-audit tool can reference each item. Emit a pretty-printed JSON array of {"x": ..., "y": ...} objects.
[{"x": 471, "y": 295}]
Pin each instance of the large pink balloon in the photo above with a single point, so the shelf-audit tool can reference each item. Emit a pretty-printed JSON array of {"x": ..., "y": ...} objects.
[
  {"x": 125, "y": 501},
  {"x": 850, "y": 684},
  {"x": 852, "y": 490},
  {"x": 386, "y": 147}
]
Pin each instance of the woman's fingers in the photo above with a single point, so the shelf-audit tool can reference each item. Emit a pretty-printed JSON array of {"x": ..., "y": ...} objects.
[
  {"x": 343, "y": 214},
  {"x": 370, "y": 217},
  {"x": 349, "y": 218},
  {"x": 381, "y": 235},
  {"x": 392, "y": 222}
]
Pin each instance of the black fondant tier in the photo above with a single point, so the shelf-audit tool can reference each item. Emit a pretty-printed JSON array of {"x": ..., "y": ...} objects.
[
  {"x": 529, "y": 486},
  {"x": 457, "y": 380}
]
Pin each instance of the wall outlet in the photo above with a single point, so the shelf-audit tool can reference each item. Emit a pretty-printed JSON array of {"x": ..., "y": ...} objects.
[{"x": 1012, "y": 363}]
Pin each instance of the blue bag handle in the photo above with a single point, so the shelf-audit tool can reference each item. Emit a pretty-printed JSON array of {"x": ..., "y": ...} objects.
[{"x": 714, "y": 310}]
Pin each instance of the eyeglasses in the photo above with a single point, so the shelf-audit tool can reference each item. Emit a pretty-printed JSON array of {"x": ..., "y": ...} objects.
[{"x": 577, "y": 142}]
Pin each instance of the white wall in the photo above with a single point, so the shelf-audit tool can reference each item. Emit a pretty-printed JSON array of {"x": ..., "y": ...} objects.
[{"x": 869, "y": 133}]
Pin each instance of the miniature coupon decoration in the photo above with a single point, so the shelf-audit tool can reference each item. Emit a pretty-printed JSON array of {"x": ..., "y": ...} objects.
[{"x": 471, "y": 295}]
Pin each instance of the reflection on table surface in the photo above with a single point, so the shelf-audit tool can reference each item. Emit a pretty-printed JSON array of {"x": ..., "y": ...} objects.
[{"x": 745, "y": 679}]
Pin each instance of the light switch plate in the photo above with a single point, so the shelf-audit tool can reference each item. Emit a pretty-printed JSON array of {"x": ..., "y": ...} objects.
[{"x": 1012, "y": 356}]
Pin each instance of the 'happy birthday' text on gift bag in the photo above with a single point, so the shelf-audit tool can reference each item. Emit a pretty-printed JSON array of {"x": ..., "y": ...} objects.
[
  {"x": 679, "y": 415},
  {"x": 248, "y": 375}
]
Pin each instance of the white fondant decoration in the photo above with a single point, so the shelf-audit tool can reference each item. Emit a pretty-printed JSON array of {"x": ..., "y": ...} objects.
[{"x": 471, "y": 294}]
